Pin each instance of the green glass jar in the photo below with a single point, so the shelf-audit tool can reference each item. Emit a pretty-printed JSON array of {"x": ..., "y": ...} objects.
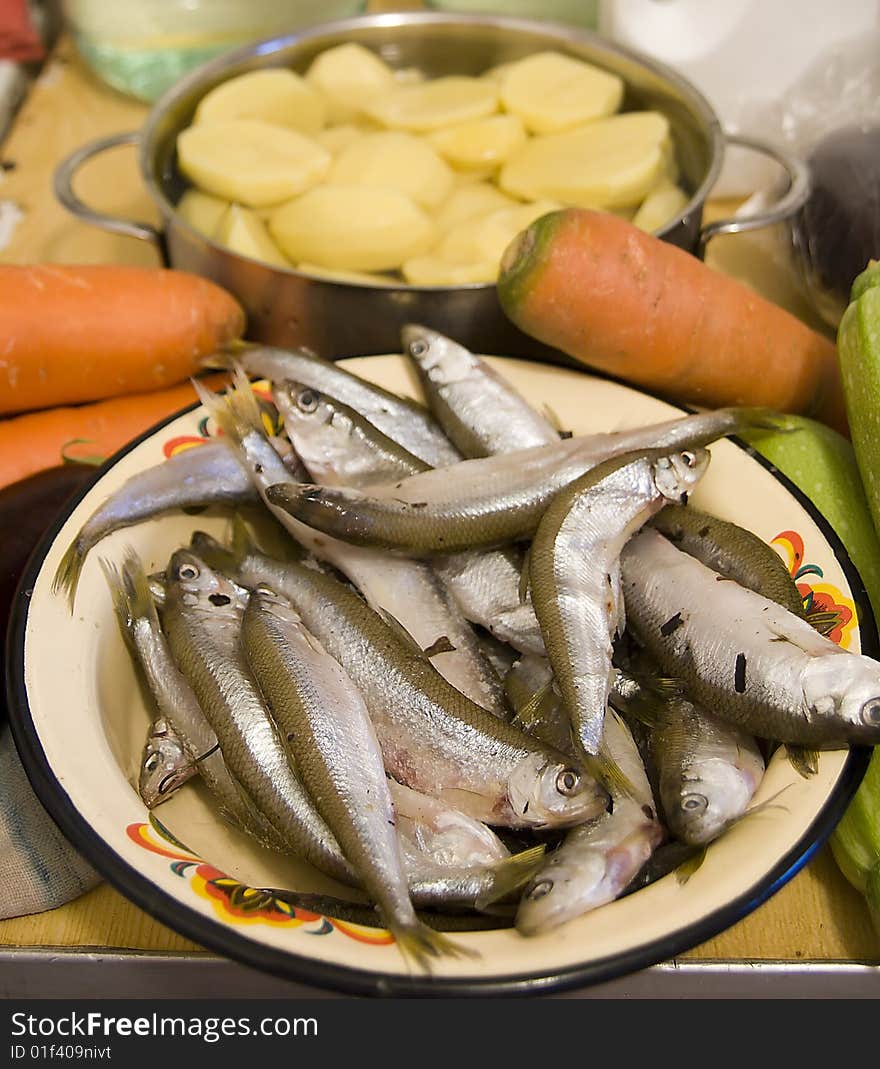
[{"x": 142, "y": 47}]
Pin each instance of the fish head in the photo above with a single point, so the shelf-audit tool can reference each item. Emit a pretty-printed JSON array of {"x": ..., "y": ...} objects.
[
  {"x": 319, "y": 427},
  {"x": 165, "y": 765},
  {"x": 676, "y": 474},
  {"x": 544, "y": 793},
  {"x": 843, "y": 690},
  {"x": 197, "y": 584},
  {"x": 594, "y": 864},
  {"x": 440, "y": 358},
  {"x": 712, "y": 793},
  {"x": 567, "y": 884}
]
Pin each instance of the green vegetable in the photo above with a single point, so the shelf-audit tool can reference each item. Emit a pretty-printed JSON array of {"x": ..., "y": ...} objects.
[{"x": 856, "y": 840}]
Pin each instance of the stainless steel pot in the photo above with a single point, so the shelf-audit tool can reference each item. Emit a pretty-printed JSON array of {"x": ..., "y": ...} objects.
[{"x": 287, "y": 308}]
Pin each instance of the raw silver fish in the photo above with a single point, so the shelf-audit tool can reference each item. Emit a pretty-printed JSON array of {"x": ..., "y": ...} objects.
[
  {"x": 205, "y": 475},
  {"x": 441, "y": 834},
  {"x": 707, "y": 770},
  {"x": 433, "y": 738},
  {"x": 202, "y": 618},
  {"x": 596, "y": 860},
  {"x": 403, "y": 420},
  {"x": 189, "y": 744},
  {"x": 407, "y": 592},
  {"x": 340, "y": 448},
  {"x": 165, "y": 764},
  {"x": 488, "y": 501},
  {"x": 480, "y": 411},
  {"x": 574, "y": 568},
  {"x": 741, "y": 655},
  {"x": 337, "y": 757}
]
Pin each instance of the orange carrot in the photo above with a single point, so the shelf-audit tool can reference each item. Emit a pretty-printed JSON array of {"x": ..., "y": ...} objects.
[
  {"x": 620, "y": 300},
  {"x": 39, "y": 440},
  {"x": 74, "y": 333}
]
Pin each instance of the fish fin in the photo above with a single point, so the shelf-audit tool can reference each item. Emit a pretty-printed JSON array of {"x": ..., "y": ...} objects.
[
  {"x": 690, "y": 865},
  {"x": 212, "y": 552},
  {"x": 237, "y": 412},
  {"x": 525, "y": 713},
  {"x": 509, "y": 876},
  {"x": 606, "y": 771},
  {"x": 761, "y": 418},
  {"x": 131, "y": 591},
  {"x": 440, "y": 645},
  {"x": 803, "y": 760},
  {"x": 66, "y": 578},
  {"x": 419, "y": 944},
  {"x": 524, "y": 577}
]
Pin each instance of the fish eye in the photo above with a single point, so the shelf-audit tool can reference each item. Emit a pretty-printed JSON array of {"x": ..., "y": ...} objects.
[
  {"x": 693, "y": 803},
  {"x": 871, "y": 712},
  {"x": 689, "y": 459},
  {"x": 568, "y": 782},
  {"x": 544, "y": 887},
  {"x": 152, "y": 762},
  {"x": 188, "y": 571},
  {"x": 308, "y": 400},
  {"x": 418, "y": 347}
]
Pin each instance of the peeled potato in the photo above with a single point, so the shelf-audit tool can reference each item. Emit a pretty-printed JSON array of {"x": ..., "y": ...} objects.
[
  {"x": 336, "y": 138},
  {"x": 470, "y": 201},
  {"x": 481, "y": 144},
  {"x": 608, "y": 163},
  {"x": 395, "y": 160},
  {"x": 660, "y": 206},
  {"x": 201, "y": 210},
  {"x": 276, "y": 96},
  {"x": 349, "y": 76},
  {"x": 434, "y": 104},
  {"x": 244, "y": 232},
  {"x": 250, "y": 161},
  {"x": 352, "y": 228},
  {"x": 552, "y": 92},
  {"x": 435, "y": 271},
  {"x": 485, "y": 239}
]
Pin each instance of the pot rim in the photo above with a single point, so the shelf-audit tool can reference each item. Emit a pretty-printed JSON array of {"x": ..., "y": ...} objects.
[{"x": 703, "y": 112}]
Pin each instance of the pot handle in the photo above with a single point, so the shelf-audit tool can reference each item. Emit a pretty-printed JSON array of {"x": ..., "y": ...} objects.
[
  {"x": 793, "y": 199},
  {"x": 63, "y": 186}
]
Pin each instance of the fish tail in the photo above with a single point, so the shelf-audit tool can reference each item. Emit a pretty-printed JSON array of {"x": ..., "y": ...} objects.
[
  {"x": 690, "y": 865},
  {"x": 509, "y": 876},
  {"x": 761, "y": 418},
  {"x": 130, "y": 591},
  {"x": 66, "y": 578},
  {"x": 420, "y": 944},
  {"x": 236, "y": 412},
  {"x": 243, "y": 541},
  {"x": 803, "y": 760}
]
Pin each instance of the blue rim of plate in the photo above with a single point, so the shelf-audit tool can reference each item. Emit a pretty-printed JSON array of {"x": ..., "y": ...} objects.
[{"x": 289, "y": 965}]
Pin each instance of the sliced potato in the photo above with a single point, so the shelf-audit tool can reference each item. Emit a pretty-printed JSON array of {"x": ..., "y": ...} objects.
[
  {"x": 336, "y": 138},
  {"x": 243, "y": 231},
  {"x": 250, "y": 161},
  {"x": 435, "y": 271},
  {"x": 483, "y": 240},
  {"x": 469, "y": 201},
  {"x": 551, "y": 92},
  {"x": 660, "y": 205},
  {"x": 277, "y": 96},
  {"x": 434, "y": 104},
  {"x": 481, "y": 144},
  {"x": 201, "y": 210},
  {"x": 363, "y": 278},
  {"x": 352, "y": 228},
  {"x": 348, "y": 76},
  {"x": 609, "y": 163},
  {"x": 395, "y": 160}
]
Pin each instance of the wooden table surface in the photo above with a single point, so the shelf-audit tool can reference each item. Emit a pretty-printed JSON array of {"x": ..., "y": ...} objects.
[{"x": 816, "y": 917}]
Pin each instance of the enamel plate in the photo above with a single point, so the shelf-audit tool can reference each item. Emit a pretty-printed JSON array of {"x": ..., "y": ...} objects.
[{"x": 80, "y": 721}]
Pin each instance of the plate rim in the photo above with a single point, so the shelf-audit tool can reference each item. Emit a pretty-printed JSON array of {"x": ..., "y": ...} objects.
[{"x": 345, "y": 979}]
